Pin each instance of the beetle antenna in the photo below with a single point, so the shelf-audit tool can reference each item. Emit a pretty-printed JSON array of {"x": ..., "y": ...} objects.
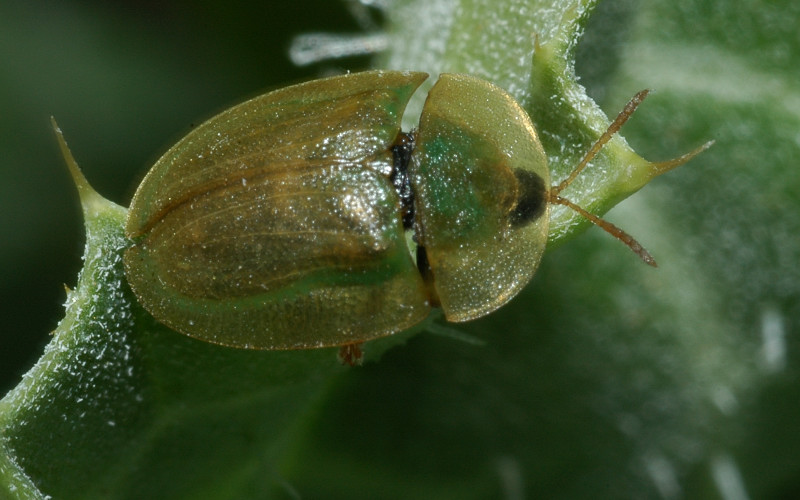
[
  {"x": 612, "y": 129},
  {"x": 656, "y": 169},
  {"x": 553, "y": 194},
  {"x": 610, "y": 228}
]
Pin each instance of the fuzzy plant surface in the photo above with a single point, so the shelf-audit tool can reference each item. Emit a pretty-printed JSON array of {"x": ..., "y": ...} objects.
[{"x": 605, "y": 378}]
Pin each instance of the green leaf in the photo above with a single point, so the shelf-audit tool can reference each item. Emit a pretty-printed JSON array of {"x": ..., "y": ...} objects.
[{"x": 605, "y": 378}]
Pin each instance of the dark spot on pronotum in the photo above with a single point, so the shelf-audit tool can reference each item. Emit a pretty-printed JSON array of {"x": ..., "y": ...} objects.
[
  {"x": 531, "y": 200},
  {"x": 401, "y": 156}
]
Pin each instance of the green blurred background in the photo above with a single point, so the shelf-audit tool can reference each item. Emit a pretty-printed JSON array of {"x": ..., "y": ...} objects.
[{"x": 125, "y": 80}]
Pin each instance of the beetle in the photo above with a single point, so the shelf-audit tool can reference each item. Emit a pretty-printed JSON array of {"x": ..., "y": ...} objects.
[{"x": 306, "y": 218}]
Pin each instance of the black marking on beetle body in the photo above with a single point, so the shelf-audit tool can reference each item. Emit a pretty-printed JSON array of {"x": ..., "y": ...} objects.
[
  {"x": 401, "y": 156},
  {"x": 424, "y": 267},
  {"x": 532, "y": 198}
]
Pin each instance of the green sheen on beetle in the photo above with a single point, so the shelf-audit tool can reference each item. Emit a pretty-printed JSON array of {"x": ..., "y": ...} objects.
[{"x": 281, "y": 223}]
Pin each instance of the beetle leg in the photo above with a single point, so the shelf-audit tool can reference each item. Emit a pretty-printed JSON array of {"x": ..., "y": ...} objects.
[{"x": 351, "y": 354}]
